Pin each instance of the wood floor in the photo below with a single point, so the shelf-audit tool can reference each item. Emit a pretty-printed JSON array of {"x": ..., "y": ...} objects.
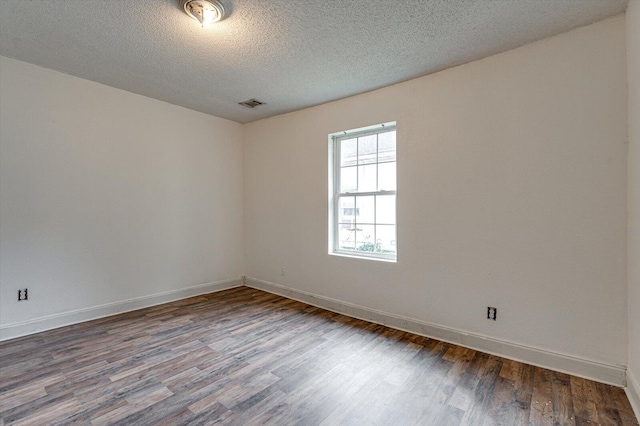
[{"x": 245, "y": 357}]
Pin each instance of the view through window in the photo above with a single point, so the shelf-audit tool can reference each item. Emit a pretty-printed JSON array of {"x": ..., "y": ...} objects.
[{"x": 364, "y": 192}]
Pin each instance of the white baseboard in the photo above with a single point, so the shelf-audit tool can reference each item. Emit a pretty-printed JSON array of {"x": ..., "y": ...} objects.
[
  {"x": 594, "y": 370},
  {"x": 633, "y": 392},
  {"x": 24, "y": 328}
]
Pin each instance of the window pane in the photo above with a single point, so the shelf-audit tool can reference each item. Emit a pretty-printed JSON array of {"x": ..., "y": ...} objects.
[
  {"x": 347, "y": 210},
  {"x": 387, "y": 146},
  {"x": 367, "y": 149},
  {"x": 365, "y": 204},
  {"x": 367, "y": 178},
  {"x": 365, "y": 238},
  {"x": 387, "y": 177},
  {"x": 386, "y": 238},
  {"x": 365, "y": 208},
  {"x": 347, "y": 238},
  {"x": 348, "y": 151},
  {"x": 386, "y": 209},
  {"x": 349, "y": 179}
]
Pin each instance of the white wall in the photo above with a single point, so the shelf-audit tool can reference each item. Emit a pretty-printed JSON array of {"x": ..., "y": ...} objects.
[
  {"x": 108, "y": 196},
  {"x": 633, "y": 236},
  {"x": 511, "y": 193}
]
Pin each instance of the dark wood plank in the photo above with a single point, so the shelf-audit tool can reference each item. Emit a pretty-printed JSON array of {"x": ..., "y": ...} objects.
[
  {"x": 246, "y": 357},
  {"x": 562, "y": 399}
]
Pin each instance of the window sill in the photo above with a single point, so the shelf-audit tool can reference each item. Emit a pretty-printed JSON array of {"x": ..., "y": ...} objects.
[{"x": 363, "y": 256}]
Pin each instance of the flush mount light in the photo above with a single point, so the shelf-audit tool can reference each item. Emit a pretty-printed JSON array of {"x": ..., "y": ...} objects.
[{"x": 204, "y": 11}]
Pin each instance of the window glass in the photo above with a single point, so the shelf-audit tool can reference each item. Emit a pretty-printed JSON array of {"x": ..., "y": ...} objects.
[
  {"x": 363, "y": 219},
  {"x": 348, "y": 152},
  {"x": 367, "y": 178}
]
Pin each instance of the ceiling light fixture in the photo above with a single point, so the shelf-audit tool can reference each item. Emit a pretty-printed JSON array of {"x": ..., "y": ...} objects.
[{"x": 204, "y": 11}]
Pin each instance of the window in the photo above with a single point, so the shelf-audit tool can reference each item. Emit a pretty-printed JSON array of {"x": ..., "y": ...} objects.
[{"x": 363, "y": 186}]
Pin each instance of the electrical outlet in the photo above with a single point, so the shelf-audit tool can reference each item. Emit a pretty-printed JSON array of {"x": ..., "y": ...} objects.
[
  {"x": 492, "y": 313},
  {"x": 283, "y": 272},
  {"x": 23, "y": 295}
]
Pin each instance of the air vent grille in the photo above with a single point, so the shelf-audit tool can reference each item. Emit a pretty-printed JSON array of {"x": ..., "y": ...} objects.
[{"x": 251, "y": 103}]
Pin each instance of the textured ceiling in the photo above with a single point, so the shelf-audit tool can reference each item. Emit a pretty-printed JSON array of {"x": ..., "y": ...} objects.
[{"x": 290, "y": 54}]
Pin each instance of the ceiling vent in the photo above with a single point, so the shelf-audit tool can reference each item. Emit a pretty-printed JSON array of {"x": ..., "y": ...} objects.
[{"x": 251, "y": 103}]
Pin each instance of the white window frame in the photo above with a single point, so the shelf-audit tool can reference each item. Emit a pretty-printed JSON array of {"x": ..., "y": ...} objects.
[{"x": 335, "y": 194}]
